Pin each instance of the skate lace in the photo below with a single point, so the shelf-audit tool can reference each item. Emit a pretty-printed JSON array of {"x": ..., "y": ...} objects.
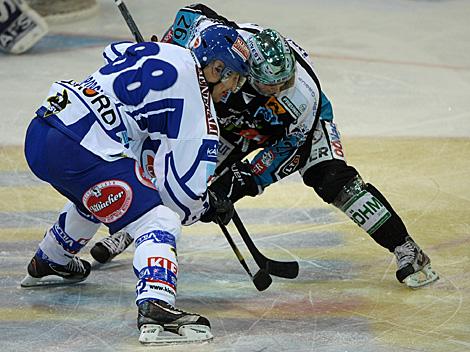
[
  {"x": 405, "y": 254},
  {"x": 117, "y": 242},
  {"x": 76, "y": 266}
]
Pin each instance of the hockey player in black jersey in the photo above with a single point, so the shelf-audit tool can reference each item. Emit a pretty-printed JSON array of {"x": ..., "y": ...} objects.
[{"x": 283, "y": 111}]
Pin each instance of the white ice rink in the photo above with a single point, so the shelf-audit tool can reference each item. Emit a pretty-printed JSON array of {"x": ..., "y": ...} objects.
[{"x": 398, "y": 75}]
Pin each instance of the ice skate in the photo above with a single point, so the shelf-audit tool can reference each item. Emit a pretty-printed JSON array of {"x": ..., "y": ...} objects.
[
  {"x": 161, "y": 323},
  {"x": 44, "y": 273},
  {"x": 106, "y": 249},
  {"x": 414, "y": 266}
]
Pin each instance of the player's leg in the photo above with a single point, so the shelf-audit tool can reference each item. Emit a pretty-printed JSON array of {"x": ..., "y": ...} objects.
[
  {"x": 55, "y": 261},
  {"x": 337, "y": 183},
  {"x": 156, "y": 266}
]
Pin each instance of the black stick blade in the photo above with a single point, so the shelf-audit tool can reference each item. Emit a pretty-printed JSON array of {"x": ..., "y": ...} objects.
[
  {"x": 288, "y": 270},
  {"x": 262, "y": 280}
]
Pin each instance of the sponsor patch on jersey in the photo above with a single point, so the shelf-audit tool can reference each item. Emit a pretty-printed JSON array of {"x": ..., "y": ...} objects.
[
  {"x": 109, "y": 200},
  {"x": 291, "y": 166},
  {"x": 263, "y": 163},
  {"x": 335, "y": 140},
  {"x": 57, "y": 103},
  {"x": 309, "y": 89},
  {"x": 209, "y": 150},
  {"x": 211, "y": 122},
  {"x": 268, "y": 115},
  {"x": 168, "y": 36},
  {"x": 142, "y": 177},
  {"x": 291, "y": 107},
  {"x": 275, "y": 106},
  {"x": 241, "y": 48},
  {"x": 148, "y": 157}
]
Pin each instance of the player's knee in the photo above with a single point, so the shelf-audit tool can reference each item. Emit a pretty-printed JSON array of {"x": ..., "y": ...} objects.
[
  {"x": 329, "y": 178},
  {"x": 161, "y": 219}
]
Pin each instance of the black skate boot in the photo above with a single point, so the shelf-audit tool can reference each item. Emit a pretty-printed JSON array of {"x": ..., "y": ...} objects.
[
  {"x": 414, "y": 266},
  {"x": 42, "y": 272},
  {"x": 156, "y": 317},
  {"x": 106, "y": 249}
]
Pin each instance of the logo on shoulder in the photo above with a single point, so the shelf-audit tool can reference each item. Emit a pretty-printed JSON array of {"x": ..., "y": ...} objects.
[
  {"x": 109, "y": 200},
  {"x": 57, "y": 103}
]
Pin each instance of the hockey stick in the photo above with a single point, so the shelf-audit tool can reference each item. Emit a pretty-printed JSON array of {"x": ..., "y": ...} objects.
[
  {"x": 261, "y": 279},
  {"x": 129, "y": 20},
  {"x": 288, "y": 270}
]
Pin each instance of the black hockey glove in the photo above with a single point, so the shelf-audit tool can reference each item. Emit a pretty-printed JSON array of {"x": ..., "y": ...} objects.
[
  {"x": 237, "y": 182},
  {"x": 220, "y": 207}
]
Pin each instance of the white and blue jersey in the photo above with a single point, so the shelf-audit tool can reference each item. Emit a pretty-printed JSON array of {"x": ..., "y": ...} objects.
[{"x": 146, "y": 91}]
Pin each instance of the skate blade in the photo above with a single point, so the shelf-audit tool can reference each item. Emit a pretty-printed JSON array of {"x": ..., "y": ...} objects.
[
  {"x": 50, "y": 280},
  {"x": 151, "y": 334},
  {"x": 421, "y": 278}
]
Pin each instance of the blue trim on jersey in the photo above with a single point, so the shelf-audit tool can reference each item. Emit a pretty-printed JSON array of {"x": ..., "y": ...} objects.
[
  {"x": 55, "y": 122},
  {"x": 115, "y": 50},
  {"x": 169, "y": 160},
  {"x": 326, "y": 113},
  {"x": 207, "y": 152},
  {"x": 106, "y": 58},
  {"x": 163, "y": 116}
]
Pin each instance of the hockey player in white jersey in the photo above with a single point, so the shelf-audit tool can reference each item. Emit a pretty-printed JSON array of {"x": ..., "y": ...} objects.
[
  {"x": 20, "y": 26},
  {"x": 284, "y": 111},
  {"x": 85, "y": 141}
]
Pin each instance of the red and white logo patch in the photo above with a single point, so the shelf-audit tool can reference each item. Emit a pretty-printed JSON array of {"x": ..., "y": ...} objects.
[
  {"x": 163, "y": 263},
  {"x": 142, "y": 176},
  {"x": 109, "y": 200}
]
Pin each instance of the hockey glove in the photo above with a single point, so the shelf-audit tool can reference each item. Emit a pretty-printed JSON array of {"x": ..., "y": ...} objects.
[
  {"x": 237, "y": 182},
  {"x": 220, "y": 207}
]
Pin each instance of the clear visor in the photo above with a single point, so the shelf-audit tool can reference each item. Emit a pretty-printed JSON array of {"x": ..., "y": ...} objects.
[
  {"x": 272, "y": 89},
  {"x": 228, "y": 73}
]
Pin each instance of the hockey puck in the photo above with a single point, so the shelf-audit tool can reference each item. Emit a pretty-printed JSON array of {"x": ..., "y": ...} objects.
[{"x": 262, "y": 280}]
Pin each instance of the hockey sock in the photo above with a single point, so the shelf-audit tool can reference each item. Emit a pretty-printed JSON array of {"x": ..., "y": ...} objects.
[
  {"x": 68, "y": 235},
  {"x": 369, "y": 209},
  {"x": 155, "y": 260}
]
